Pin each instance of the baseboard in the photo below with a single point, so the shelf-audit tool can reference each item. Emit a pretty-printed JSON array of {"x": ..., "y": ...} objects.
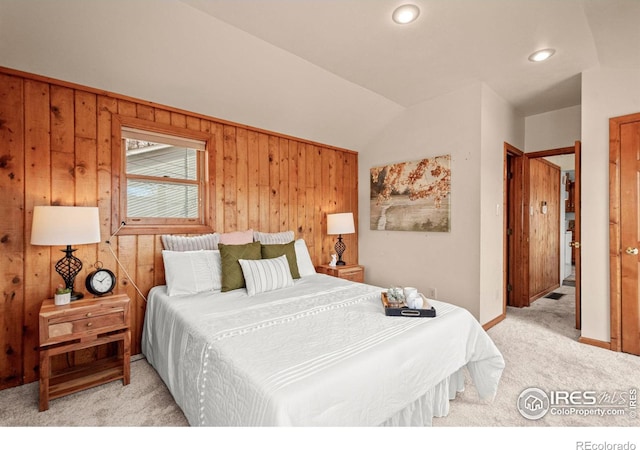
[
  {"x": 494, "y": 322},
  {"x": 541, "y": 294},
  {"x": 595, "y": 342}
]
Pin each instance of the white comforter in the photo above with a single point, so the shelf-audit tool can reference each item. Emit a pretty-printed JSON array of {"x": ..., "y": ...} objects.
[{"x": 321, "y": 353}]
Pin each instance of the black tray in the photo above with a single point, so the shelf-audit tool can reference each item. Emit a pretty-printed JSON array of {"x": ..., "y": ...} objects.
[{"x": 404, "y": 310}]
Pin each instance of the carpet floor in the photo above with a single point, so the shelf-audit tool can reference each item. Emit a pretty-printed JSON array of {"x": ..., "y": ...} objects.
[{"x": 539, "y": 344}]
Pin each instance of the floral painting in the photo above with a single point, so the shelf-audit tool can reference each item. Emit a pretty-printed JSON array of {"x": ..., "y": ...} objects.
[{"x": 412, "y": 196}]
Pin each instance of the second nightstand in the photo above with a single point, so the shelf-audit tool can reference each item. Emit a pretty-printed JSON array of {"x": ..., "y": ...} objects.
[
  {"x": 353, "y": 272},
  {"x": 83, "y": 324}
]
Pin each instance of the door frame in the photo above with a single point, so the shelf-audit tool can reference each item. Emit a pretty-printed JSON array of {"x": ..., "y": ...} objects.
[
  {"x": 615, "y": 244},
  {"x": 576, "y": 150},
  {"x": 521, "y": 228}
]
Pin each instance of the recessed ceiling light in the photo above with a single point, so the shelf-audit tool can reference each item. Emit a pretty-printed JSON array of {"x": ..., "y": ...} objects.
[
  {"x": 541, "y": 55},
  {"x": 405, "y": 14}
]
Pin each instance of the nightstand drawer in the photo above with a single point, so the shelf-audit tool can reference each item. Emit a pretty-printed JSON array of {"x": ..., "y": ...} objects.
[
  {"x": 90, "y": 322},
  {"x": 355, "y": 274},
  {"x": 351, "y": 272},
  {"x": 83, "y": 319}
]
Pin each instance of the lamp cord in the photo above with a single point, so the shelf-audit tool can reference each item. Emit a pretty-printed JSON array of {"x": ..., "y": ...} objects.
[{"x": 122, "y": 224}]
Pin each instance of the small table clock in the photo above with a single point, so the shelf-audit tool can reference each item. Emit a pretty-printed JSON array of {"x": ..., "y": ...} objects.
[{"x": 100, "y": 282}]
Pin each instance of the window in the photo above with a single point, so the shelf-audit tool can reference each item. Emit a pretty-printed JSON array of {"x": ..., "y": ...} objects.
[{"x": 162, "y": 181}]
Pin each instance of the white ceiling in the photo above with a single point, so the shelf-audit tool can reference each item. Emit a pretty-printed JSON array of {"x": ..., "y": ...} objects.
[{"x": 453, "y": 43}]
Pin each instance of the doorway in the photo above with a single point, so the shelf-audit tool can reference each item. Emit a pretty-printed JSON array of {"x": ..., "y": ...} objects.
[{"x": 517, "y": 223}]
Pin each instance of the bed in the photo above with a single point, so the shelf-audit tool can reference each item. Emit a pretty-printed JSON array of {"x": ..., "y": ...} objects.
[{"x": 318, "y": 352}]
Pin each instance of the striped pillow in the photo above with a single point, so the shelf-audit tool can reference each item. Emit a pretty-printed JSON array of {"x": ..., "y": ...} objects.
[
  {"x": 284, "y": 237},
  {"x": 263, "y": 275},
  {"x": 190, "y": 243}
]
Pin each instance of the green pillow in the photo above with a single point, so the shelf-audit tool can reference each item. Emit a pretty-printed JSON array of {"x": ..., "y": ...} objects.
[
  {"x": 274, "y": 250},
  {"x": 232, "y": 277}
]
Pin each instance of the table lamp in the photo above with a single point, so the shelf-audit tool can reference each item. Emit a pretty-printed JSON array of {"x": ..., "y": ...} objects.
[
  {"x": 66, "y": 225},
  {"x": 340, "y": 223}
]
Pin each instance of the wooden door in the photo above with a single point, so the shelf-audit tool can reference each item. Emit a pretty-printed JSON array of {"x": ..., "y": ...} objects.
[
  {"x": 543, "y": 238},
  {"x": 510, "y": 216},
  {"x": 516, "y": 279},
  {"x": 624, "y": 133}
]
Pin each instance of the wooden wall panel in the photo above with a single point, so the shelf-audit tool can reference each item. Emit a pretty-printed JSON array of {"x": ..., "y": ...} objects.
[
  {"x": 12, "y": 168},
  {"x": 37, "y": 260},
  {"x": 56, "y": 149}
]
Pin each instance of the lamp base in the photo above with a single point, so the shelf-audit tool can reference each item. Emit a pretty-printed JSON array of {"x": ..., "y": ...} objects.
[
  {"x": 340, "y": 247},
  {"x": 68, "y": 267}
]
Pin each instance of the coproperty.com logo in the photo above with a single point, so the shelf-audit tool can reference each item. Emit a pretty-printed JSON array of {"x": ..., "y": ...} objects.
[{"x": 534, "y": 403}]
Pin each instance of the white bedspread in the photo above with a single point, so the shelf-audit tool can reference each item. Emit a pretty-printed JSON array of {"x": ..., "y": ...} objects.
[{"x": 321, "y": 353}]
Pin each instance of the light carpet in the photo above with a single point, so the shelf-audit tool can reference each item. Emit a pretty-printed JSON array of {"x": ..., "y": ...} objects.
[{"x": 539, "y": 344}]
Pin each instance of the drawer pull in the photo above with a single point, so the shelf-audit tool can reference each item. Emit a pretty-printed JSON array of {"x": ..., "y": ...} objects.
[
  {"x": 89, "y": 324},
  {"x": 89, "y": 314}
]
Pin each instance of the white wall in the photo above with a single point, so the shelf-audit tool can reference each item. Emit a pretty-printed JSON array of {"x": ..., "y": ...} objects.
[
  {"x": 464, "y": 265},
  {"x": 159, "y": 51},
  {"x": 499, "y": 124},
  {"x": 449, "y": 124},
  {"x": 554, "y": 129},
  {"x": 606, "y": 93}
]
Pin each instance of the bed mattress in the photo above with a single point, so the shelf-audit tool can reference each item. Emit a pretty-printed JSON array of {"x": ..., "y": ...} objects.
[{"x": 320, "y": 353}]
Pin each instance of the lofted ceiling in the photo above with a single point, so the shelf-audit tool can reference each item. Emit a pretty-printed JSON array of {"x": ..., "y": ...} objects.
[{"x": 452, "y": 44}]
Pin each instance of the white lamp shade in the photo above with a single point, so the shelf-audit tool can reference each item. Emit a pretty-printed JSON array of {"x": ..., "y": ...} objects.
[
  {"x": 341, "y": 223},
  {"x": 65, "y": 225}
]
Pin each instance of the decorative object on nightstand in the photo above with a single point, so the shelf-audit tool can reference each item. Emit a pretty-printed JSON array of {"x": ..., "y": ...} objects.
[
  {"x": 66, "y": 225},
  {"x": 62, "y": 296},
  {"x": 334, "y": 260},
  {"x": 83, "y": 324},
  {"x": 101, "y": 281},
  {"x": 340, "y": 223}
]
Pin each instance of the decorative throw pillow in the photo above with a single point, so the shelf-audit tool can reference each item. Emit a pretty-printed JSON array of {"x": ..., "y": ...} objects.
[
  {"x": 190, "y": 243},
  {"x": 275, "y": 250},
  {"x": 231, "y": 271},
  {"x": 266, "y": 275},
  {"x": 282, "y": 237},
  {"x": 305, "y": 265},
  {"x": 191, "y": 272},
  {"x": 237, "y": 237}
]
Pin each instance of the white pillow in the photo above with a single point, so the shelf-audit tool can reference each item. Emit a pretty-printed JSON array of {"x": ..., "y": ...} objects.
[
  {"x": 305, "y": 265},
  {"x": 283, "y": 237},
  {"x": 192, "y": 272},
  {"x": 263, "y": 275}
]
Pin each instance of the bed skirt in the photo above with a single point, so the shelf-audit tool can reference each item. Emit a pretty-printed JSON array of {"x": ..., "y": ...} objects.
[{"x": 435, "y": 403}]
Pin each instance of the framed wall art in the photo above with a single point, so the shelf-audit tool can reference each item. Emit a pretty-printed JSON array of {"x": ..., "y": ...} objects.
[{"x": 412, "y": 196}]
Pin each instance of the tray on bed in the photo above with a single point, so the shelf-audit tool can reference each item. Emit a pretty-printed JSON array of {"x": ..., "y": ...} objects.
[{"x": 391, "y": 309}]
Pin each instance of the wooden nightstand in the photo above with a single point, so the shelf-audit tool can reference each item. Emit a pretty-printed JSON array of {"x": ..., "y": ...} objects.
[
  {"x": 83, "y": 324},
  {"x": 352, "y": 272}
]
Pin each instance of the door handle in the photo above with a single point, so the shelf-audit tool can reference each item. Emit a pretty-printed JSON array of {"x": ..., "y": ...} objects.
[
  {"x": 631, "y": 251},
  {"x": 574, "y": 244}
]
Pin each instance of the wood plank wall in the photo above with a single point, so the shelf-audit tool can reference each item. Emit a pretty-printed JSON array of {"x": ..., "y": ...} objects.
[
  {"x": 55, "y": 149},
  {"x": 544, "y": 229}
]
